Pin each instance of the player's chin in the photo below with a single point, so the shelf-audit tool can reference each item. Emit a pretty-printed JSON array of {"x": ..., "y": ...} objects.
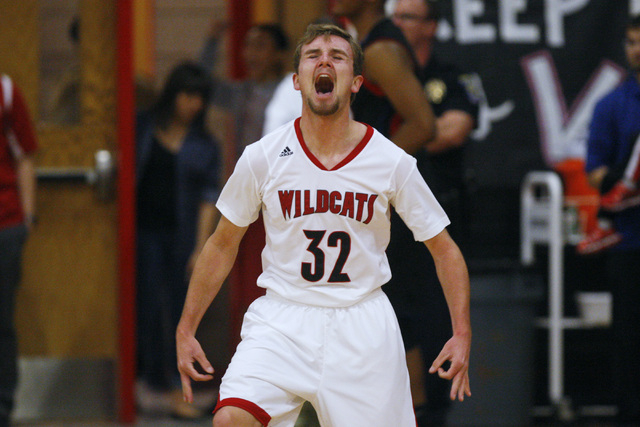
[{"x": 324, "y": 108}]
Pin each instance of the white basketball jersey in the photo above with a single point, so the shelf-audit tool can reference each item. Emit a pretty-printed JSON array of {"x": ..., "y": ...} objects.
[{"x": 327, "y": 230}]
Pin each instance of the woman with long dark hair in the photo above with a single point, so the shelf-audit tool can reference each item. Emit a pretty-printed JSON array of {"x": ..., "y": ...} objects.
[{"x": 177, "y": 185}]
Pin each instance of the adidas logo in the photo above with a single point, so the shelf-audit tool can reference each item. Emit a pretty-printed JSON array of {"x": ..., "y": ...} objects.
[{"x": 286, "y": 152}]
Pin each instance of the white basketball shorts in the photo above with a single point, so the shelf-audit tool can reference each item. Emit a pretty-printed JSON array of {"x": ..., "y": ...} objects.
[{"x": 349, "y": 363}]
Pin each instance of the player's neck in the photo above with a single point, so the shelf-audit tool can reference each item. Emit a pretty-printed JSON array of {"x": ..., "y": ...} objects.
[
  {"x": 331, "y": 138},
  {"x": 325, "y": 134}
]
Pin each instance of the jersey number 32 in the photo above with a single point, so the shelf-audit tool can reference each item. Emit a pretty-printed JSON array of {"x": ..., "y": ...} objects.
[{"x": 313, "y": 272}]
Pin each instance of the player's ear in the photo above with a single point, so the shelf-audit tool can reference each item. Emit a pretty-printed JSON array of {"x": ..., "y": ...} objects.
[
  {"x": 296, "y": 82},
  {"x": 357, "y": 82}
]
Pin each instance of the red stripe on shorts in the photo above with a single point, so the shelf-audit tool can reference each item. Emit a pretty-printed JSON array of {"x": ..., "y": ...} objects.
[{"x": 260, "y": 414}]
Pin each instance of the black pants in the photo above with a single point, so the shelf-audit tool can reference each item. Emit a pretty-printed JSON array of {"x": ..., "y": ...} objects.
[
  {"x": 623, "y": 274},
  {"x": 11, "y": 244},
  {"x": 422, "y": 311},
  {"x": 161, "y": 291}
]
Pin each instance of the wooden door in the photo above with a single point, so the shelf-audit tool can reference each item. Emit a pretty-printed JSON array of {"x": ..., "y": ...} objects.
[{"x": 67, "y": 302}]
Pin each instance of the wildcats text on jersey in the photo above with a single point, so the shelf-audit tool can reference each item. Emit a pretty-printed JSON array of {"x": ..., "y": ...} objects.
[{"x": 349, "y": 204}]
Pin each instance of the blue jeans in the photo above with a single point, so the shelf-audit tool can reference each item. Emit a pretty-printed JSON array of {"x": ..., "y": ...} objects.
[{"x": 11, "y": 244}]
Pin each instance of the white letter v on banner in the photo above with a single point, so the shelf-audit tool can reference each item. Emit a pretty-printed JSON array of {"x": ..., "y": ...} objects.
[{"x": 563, "y": 134}]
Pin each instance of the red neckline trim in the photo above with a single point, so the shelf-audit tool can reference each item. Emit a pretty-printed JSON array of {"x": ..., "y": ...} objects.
[{"x": 358, "y": 148}]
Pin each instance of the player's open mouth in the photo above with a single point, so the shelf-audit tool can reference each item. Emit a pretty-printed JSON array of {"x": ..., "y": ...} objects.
[{"x": 324, "y": 84}]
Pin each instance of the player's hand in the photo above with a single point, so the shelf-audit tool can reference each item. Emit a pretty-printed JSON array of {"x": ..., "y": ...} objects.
[
  {"x": 189, "y": 352},
  {"x": 456, "y": 351}
]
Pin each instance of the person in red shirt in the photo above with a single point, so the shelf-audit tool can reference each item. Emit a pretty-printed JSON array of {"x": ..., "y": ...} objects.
[{"x": 17, "y": 214}]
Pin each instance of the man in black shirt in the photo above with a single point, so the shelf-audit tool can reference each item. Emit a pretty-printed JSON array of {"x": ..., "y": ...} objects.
[
  {"x": 392, "y": 99},
  {"x": 450, "y": 93}
]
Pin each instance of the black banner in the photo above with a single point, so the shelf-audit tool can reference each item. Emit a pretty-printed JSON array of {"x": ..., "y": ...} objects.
[{"x": 542, "y": 65}]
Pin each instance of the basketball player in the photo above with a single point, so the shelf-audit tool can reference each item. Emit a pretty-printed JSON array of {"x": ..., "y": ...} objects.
[{"x": 324, "y": 332}]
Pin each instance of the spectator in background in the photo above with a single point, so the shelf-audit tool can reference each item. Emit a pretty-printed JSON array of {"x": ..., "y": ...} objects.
[
  {"x": 395, "y": 103},
  {"x": 391, "y": 99},
  {"x": 618, "y": 196},
  {"x": 178, "y": 164},
  {"x": 63, "y": 106},
  {"x": 264, "y": 54},
  {"x": 285, "y": 104},
  {"x": 414, "y": 290},
  {"x": 615, "y": 127},
  {"x": 17, "y": 217}
]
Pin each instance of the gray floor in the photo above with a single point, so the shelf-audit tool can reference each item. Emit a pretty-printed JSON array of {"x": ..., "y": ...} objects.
[
  {"x": 142, "y": 422},
  {"x": 78, "y": 393},
  {"x": 307, "y": 419}
]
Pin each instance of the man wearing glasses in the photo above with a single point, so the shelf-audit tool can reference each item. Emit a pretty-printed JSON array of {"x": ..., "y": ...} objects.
[{"x": 451, "y": 97}]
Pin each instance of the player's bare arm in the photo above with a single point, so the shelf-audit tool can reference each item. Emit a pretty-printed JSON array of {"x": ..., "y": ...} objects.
[
  {"x": 208, "y": 217},
  {"x": 452, "y": 130},
  {"x": 211, "y": 269},
  {"x": 389, "y": 65},
  {"x": 454, "y": 278}
]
